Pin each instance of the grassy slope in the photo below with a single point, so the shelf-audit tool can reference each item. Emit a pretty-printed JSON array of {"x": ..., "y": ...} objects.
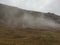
[{"x": 10, "y": 36}]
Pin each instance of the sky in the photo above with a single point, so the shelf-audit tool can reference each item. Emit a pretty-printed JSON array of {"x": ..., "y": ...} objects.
[{"x": 52, "y": 6}]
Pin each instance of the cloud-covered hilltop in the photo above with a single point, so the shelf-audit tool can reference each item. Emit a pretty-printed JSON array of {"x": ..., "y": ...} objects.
[
  {"x": 37, "y": 5},
  {"x": 15, "y": 17}
]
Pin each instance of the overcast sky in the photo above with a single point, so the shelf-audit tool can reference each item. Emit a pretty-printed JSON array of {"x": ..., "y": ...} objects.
[{"x": 37, "y": 5}]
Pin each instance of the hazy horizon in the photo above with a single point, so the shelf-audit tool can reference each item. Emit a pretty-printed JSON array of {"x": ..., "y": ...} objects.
[{"x": 37, "y": 5}]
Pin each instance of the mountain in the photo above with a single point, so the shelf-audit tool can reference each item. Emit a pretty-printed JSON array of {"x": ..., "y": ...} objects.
[{"x": 16, "y": 17}]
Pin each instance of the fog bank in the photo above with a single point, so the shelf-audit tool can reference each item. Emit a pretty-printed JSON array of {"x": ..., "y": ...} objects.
[{"x": 21, "y": 18}]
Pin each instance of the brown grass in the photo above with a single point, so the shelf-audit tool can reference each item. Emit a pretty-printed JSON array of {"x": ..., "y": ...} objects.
[{"x": 28, "y": 36}]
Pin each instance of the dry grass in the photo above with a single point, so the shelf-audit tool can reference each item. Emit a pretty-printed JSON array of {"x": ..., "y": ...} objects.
[{"x": 10, "y": 36}]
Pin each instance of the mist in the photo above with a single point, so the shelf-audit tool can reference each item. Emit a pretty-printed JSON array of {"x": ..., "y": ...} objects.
[{"x": 15, "y": 17}]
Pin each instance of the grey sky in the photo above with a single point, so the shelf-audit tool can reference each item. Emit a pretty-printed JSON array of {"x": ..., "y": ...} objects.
[{"x": 37, "y": 5}]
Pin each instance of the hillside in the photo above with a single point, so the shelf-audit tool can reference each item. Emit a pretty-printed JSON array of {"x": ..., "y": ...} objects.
[
  {"x": 24, "y": 27},
  {"x": 15, "y": 17}
]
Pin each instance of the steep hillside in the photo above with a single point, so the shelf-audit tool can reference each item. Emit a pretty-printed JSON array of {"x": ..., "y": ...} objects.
[{"x": 15, "y": 17}]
